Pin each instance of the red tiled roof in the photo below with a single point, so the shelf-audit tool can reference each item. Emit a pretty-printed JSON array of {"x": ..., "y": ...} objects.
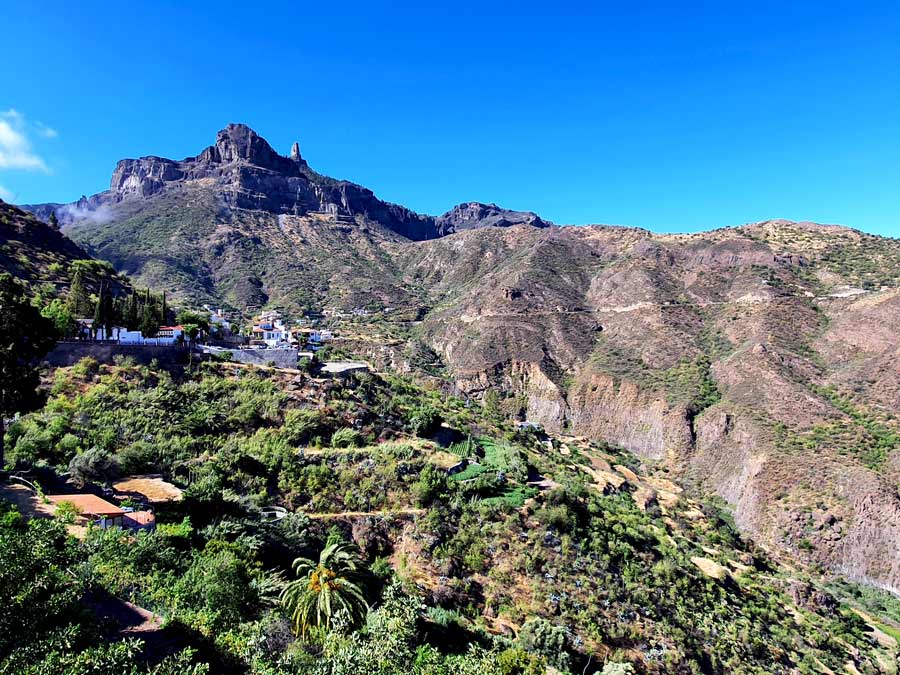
[{"x": 89, "y": 505}]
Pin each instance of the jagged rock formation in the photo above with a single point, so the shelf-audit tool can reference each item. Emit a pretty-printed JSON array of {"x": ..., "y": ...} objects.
[
  {"x": 244, "y": 172},
  {"x": 474, "y": 215}
]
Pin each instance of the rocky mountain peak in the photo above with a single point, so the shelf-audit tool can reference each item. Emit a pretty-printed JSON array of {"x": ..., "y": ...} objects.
[
  {"x": 469, "y": 215},
  {"x": 238, "y": 142},
  {"x": 243, "y": 171}
]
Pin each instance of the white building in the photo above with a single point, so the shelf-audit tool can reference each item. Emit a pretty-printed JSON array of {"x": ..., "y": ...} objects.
[
  {"x": 273, "y": 333},
  {"x": 166, "y": 336},
  {"x": 86, "y": 331}
]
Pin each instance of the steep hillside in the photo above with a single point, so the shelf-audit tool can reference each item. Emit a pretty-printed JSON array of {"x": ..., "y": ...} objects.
[
  {"x": 543, "y": 551},
  {"x": 741, "y": 358},
  {"x": 32, "y": 250}
]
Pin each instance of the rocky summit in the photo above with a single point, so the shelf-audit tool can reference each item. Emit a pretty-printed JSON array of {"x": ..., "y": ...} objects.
[
  {"x": 244, "y": 172},
  {"x": 755, "y": 363}
]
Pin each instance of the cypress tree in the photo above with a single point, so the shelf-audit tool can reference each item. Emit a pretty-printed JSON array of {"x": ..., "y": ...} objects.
[
  {"x": 99, "y": 317},
  {"x": 77, "y": 301},
  {"x": 132, "y": 315}
]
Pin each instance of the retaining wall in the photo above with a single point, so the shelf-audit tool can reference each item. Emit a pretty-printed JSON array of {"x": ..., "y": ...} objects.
[{"x": 70, "y": 353}]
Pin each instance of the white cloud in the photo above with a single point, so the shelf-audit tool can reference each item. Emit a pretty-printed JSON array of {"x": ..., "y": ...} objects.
[
  {"x": 15, "y": 148},
  {"x": 6, "y": 195},
  {"x": 45, "y": 131}
]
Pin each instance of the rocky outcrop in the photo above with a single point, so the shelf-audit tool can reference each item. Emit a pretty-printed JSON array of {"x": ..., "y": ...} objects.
[
  {"x": 472, "y": 215},
  {"x": 245, "y": 172},
  {"x": 622, "y": 413}
]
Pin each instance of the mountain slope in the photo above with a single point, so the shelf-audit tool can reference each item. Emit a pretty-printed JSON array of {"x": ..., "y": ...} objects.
[
  {"x": 32, "y": 250},
  {"x": 233, "y": 223},
  {"x": 738, "y": 358},
  {"x": 757, "y": 363}
]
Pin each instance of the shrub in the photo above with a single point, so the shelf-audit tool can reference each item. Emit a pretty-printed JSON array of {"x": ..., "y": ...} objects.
[
  {"x": 346, "y": 438},
  {"x": 94, "y": 465},
  {"x": 432, "y": 484},
  {"x": 541, "y": 637},
  {"x": 86, "y": 367},
  {"x": 423, "y": 420},
  {"x": 301, "y": 425},
  {"x": 67, "y": 512}
]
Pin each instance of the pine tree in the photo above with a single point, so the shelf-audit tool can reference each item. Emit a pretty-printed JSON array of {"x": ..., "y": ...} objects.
[{"x": 164, "y": 319}]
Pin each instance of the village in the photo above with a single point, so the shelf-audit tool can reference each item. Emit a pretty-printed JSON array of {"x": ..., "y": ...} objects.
[{"x": 268, "y": 339}]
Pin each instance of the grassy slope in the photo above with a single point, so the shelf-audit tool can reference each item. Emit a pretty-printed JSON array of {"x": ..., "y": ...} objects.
[{"x": 615, "y": 558}]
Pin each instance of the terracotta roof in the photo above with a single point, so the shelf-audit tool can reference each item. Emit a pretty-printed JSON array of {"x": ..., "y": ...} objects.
[{"x": 89, "y": 505}]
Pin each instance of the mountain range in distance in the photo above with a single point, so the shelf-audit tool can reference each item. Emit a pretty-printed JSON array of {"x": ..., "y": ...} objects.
[{"x": 757, "y": 363}]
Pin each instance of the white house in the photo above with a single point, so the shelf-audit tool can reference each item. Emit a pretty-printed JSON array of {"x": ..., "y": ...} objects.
[
  {"x": 274, "y": 333},
  {"x": 323, "y": 335}
]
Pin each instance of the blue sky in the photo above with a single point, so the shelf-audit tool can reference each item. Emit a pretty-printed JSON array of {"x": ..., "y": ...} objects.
[{"x": 671, "y": 116}]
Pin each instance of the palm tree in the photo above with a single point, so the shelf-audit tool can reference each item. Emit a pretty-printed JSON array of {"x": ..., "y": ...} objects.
[{"x": 325, "y": 588}]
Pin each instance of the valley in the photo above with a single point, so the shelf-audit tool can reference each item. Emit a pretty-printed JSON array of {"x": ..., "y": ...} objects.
[{"x": 670, "y": 445}]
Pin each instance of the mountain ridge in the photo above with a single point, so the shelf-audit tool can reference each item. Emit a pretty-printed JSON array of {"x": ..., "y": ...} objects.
[{"x": 253, "y": 176}]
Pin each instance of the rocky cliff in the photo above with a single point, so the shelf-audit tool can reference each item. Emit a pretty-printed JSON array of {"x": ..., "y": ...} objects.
[{"x": 243, "y": 171}]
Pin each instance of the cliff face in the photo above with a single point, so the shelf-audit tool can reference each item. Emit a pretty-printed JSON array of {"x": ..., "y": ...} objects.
[
  {"x": 243, "y": 172},
  {"x": 752, "y": 362}
]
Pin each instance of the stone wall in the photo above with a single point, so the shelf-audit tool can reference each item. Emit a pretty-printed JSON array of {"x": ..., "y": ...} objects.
[
  {"x": 280, "y": 358},
  {"x": 70, "y": 353}
]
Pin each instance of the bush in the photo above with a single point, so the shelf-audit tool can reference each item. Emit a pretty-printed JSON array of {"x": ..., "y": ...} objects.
[
  {"x": 301, "y": 425},
  {"x": 423, "y": 420},
  {"x": 614, "y": 668},
  {"x": 346, "y": 438},
  {"x": 94, "y": 465},
  {"x": 67, "y": 512},
  {"x": 541, "y": 637},
  {"x": 432, "y": 484},
  {"x": 86, "y": 367}
]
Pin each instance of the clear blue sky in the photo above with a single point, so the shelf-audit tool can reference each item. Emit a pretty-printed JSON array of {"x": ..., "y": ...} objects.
[{"x": 674, "y": 116}]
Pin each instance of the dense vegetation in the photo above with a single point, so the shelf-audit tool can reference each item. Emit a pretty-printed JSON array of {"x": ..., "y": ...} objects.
[{"x": 385, "y": 562}]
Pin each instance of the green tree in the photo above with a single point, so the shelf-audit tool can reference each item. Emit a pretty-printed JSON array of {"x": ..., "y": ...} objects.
[
  {"x": 149, "y": 324},
  {"x": 58, "y": 312},
  {"x": 103, "y": 311},
  {"x": 424, "y": 420},
  {"x": 186, "y": 316},
  {"x": 131, "y": 314},
  {"x": 53, "y": 221},
  {"x": 325, "y": 588},
  {"x": 491, "y": 404},
  {"x": 25, "y": 336},
  {"x": 78, "y": 300}
]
